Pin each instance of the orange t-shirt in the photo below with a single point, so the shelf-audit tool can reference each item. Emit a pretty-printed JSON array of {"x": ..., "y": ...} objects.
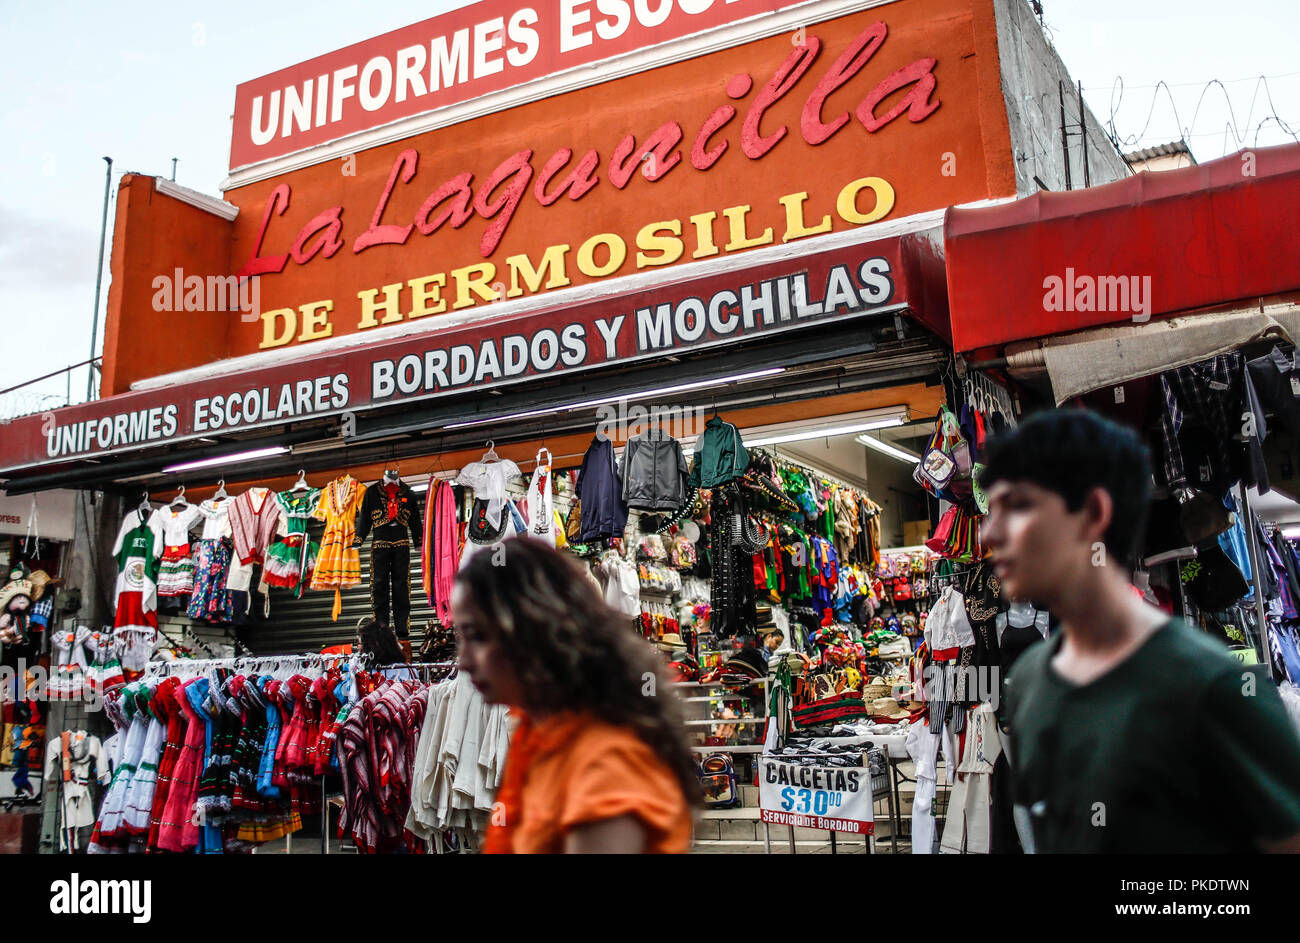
[{"x": 600, "y": 772}]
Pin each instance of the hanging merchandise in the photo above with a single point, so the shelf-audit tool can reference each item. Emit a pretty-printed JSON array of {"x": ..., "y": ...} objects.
[
  {"x": 391, "y": 509},
  {"x": 137, "y": 551},
  {"x": 210, "y": 600},
  {"x": 653, "y": 474},
  {"x": 457, "y": 763},
  {"x": 105, "y": 672},
  {"x": 74, "y": 761},
  {"x": 488, "y": 477},
  {"x": 733, "y": 541},
  {"x": 339, "y": 565},
  {"x": 439, "y": 551},
  {"x": 541, "y": 501},
  {"x": 957, "y": 536},
  {"x": 291, "y": 559},
  {"x": 720, "y": 456},
  {"x": 603, "y": 514},
  {"x": 173, "y": 524},
  {"x": 254, "y": 517}
]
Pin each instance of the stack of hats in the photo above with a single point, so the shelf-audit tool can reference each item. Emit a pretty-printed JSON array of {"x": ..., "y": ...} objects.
[
  {"x": 763, "y": 623},
  {"x": 742, "y": 669}
]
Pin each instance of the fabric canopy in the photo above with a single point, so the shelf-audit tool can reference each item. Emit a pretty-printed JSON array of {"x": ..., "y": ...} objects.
[
  {"x": 1089, "y": 360},
  {"x": 1140, "y": 249}
]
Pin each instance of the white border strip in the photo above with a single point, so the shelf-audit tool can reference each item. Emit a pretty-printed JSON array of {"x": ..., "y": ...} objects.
[
  {"x": 693, "y": 46},
  {"x": 211, "y": 204}
]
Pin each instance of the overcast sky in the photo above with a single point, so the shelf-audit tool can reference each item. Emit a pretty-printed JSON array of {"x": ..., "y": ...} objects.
[{"x": 144, "y": 83}]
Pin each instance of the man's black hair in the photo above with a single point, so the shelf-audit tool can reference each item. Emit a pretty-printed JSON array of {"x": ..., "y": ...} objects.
[{"x": 1072, "y": 451}]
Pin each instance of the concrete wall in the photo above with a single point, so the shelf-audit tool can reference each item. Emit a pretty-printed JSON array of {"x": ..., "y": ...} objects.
[{"x": 1031, "y": 73}]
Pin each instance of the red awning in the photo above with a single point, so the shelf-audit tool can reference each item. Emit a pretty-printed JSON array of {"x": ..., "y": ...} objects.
[{"x": 1145, "y": 247}]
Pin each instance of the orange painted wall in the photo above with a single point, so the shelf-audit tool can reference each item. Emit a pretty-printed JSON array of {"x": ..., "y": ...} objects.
[
  {"x": 961, "y": 152},
  {"x": 153, "y": 235}
]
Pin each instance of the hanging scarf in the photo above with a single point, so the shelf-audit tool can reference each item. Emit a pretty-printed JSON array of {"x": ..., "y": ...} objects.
[
  {"x": 529, "y": 741},
  {"x": 438, "y": 550}
]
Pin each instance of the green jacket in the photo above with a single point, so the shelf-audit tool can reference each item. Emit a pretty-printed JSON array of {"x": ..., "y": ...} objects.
[{"x": 720, "y": 456}]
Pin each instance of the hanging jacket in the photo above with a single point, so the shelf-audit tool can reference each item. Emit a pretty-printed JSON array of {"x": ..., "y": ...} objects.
[
  {"x": 653, "y": 473},
  {"x": 720, "y": 456},
  {"x": 604, "y": 514},
  {"x": 393, "y": 512}
]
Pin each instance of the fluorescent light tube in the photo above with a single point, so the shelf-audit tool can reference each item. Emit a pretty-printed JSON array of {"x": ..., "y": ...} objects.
[
  {"x": 825, "y": 432},
  {"x": 640, "y": 394},
  {"x": 228, "y": 459},
  {"x": 902, "y": 455}
]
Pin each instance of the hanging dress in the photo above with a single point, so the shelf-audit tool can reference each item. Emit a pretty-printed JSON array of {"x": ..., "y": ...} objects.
[
  {"x": 291, "y": 559},
  {"x": 176, "y": 570},
  {"x": 136, "y": 551},
  {"x": 210, "y": 601},
  {"x": 339, "y": 564}
]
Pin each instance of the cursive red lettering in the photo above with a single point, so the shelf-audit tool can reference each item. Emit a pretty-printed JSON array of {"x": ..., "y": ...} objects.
[
  {"x": 787, "y": 75},
  {"x": 328, "y": 227},
  {"x": 662, "y": 140},
  {"x": 458, "y": 210},
  {"x": 578, "y": 181},
  {"x": 501, "y": 210},
  {"x": 916, "y": 102},
  {"x": 258, "y": 264},
  {"x": 850, "y": 62},
  {"x": 621, "y": 164},
  {"x": 389, "y": 234},
  {"x": 702, "y": 159}
]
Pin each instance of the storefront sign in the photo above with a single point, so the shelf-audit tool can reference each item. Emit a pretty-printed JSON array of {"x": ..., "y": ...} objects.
[
  {"x": 875, "y": 115},
  {"x": 844, "y": 283},
  {"x": 48, "y": 515},
  {"x": 831, "y": 798},
  {"x": 464, "y": 54}
]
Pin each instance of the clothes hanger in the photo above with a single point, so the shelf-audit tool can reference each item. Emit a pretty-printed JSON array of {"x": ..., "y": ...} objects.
[
  {"x": 301, "y": 483},
  {"x": 220, "y": 493},
  {"x": 490, "y": 455},
  {"x": 180, "y": 499}
]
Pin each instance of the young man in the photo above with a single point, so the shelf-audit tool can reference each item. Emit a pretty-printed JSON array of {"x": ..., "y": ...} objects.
[{"x": 1129, "y": 731}]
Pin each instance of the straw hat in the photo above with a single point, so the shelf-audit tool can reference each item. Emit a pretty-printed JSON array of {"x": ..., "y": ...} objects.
[
  {"x": 670, "y": 642},
  {"x": 887, "y": 707},
  {"x": 40, "y": 579}
]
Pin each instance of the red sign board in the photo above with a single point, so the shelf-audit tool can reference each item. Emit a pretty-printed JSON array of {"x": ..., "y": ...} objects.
[
  {"x": 453, "y": 58},
  {"x": 721, "y": 309}
]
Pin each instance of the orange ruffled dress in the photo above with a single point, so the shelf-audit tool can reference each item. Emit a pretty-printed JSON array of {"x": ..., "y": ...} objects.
[{"x": 339, "y": 564}]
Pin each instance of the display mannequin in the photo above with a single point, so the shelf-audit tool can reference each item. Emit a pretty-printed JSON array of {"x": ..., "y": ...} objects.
[{"x": 390, "y": 517}]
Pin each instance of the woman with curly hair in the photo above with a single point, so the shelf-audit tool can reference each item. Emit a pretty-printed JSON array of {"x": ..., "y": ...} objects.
[{"x": 598, "y": 761}]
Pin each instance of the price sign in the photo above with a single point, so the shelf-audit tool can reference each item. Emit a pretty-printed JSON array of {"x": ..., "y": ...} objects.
[{"x": 831, "y": 798}]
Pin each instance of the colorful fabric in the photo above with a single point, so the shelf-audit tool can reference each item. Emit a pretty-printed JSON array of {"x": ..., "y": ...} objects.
[
  {"x": 291, "y": 559},
  {"x": 176, "y": 571},
  {"x": 210, "y": 600},
  {"x": 339, "y": 565}
]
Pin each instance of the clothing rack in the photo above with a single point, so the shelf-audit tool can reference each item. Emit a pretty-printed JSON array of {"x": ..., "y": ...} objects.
[
  {"x": 242, "y": 661},
  {"x": 820, "y": 475}
]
